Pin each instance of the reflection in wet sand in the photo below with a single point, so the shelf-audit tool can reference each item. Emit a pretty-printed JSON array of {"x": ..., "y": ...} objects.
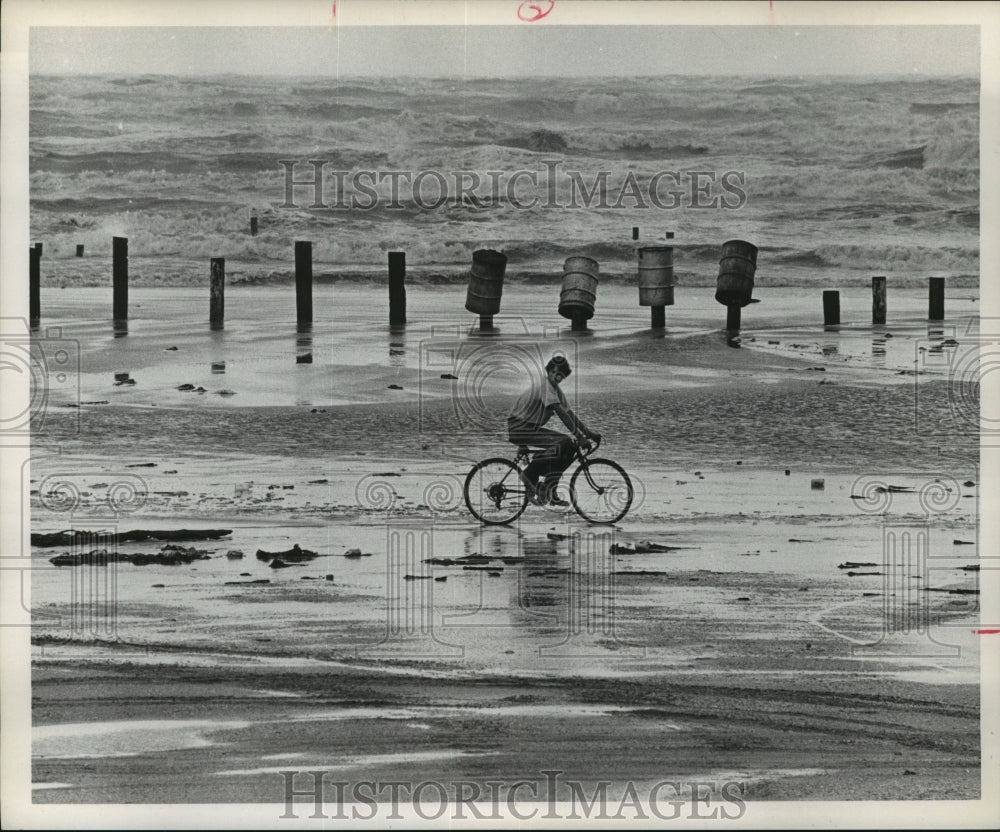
[{"x": 878, "y": 349}]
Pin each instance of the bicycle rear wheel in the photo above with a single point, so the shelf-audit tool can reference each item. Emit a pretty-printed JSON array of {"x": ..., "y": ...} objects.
[
  {"x": 495, "y": 492},
  {"x": 601, "y": 491}
]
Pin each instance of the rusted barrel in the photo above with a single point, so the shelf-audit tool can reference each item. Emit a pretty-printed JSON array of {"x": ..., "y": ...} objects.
[
  {"x": 579, "y": 288},
  {"x": 736, "y": 270},
  {"x": 486, "y": 282},
  {"x": 656, "y": 276}
]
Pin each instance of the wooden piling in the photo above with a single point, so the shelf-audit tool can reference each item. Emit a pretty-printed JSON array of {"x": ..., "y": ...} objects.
[
  {"x": 579, "y": 323},
  {"x": 733, "y": 315},
  {"x": 34, "y": 286},
  {"x": 303, "y": 282},
  {"x": 119, "y": 272},
  {"x": 397, "y": 288},
  {"x": 635, "y": 232},
  {"x": 485, "y": 323},
  {"x": 935, "y": 311},
  {"x": 253, "y": 225},
  {"x": 217, "y": 292},
  {"x": 658, "y": 316},
  {"x": 38, "y": 248},
  {"x": 831, "y": 307},
  {"x": 79, "y": 249},
  {"x": 878, "y": 300}
]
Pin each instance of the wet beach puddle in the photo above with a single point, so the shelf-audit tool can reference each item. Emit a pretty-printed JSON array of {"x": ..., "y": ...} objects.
[{"x": 125, "y": 738}]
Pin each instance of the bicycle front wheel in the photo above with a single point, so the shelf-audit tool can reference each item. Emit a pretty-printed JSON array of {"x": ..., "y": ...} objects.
[
  {"x": 601, "y": 491},
  {"x": 495, "y": 492}
]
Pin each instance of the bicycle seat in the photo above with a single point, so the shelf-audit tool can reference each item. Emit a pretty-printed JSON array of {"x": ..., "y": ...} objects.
[{"x": 523, "y": 449}]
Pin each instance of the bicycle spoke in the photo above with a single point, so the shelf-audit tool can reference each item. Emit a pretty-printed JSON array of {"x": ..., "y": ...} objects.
[
  {"x": 601, "y": 491},
  {"x": 494, "y": 491}
]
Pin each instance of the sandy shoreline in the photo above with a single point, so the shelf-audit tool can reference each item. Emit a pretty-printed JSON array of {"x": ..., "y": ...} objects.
[{"x": 794, "y": 422}]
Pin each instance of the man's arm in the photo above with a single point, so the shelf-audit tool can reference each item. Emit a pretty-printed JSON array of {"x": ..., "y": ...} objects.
[{"x": 573, "y": 422}]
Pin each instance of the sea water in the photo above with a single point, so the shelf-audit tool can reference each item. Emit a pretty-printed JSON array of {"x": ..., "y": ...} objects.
[{"x": 834, "y": 179}]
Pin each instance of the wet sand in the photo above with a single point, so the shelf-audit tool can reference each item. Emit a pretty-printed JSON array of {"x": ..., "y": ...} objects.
[
  {"x": 744, "y": 652},
  {"x": 823, "y": 734}
]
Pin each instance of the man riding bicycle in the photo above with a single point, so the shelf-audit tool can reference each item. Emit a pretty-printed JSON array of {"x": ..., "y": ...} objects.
[{"x": 525, "y": 427}]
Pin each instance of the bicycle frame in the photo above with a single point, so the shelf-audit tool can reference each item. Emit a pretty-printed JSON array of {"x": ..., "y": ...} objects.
[{"x": 579, "y": 456}]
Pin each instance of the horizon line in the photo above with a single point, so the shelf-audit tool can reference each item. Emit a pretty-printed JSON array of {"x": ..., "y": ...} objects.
[{"x": 533, "y": 77}]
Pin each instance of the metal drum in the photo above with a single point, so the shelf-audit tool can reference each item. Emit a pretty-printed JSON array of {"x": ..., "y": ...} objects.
[
  {"x": 579, "y": 288},
  {"x": 736, "y": 270},
  {"x": 656, "y": 276},
  {"x": 486, "y": 282}
]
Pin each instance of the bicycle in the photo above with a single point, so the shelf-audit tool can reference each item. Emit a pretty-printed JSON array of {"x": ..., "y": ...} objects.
[{"x": 497, "y": 491}]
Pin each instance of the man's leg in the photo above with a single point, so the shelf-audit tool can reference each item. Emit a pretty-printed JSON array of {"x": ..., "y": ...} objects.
[
  {"x": 546, "y": 460},
  {"x": 565, "y": 452}
]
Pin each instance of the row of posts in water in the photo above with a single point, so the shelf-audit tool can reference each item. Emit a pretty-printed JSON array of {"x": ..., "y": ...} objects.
[{"x": 577, "y": 300}]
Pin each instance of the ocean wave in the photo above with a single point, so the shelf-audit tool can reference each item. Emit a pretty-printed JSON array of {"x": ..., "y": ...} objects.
[
  {"x": 128, "y": 162},
  {"x": 799, "y": 258},
  {"x": 540, "y": 141},
  {"x": 340, "y": 111},
  {"x": 175, "y": 164},
  {"x": 269, "y": 162},
  {"x": 936, "y": 108},
  {"x": 89, "y": 205},
  {"x": 926, "y": 258},
  {"x": 111, "y": 161},
  {"x": 771, "y": 87},
  {"x": 141, "y": 81},
  {"x": 911, "y": 158}
]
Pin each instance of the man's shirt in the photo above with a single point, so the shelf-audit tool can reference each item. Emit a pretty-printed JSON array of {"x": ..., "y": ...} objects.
[{"x": 536, "y": 405}]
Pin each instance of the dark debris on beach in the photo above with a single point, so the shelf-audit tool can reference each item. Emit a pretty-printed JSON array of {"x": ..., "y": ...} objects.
[{"x": 71, "y": 537}]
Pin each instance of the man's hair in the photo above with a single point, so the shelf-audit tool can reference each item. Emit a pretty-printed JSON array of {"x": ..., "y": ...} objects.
[{"x": 559, "y": 362}]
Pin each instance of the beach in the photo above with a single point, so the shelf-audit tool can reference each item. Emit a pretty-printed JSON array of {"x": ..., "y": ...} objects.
[
  {"x": 254, "y": 577},
  {"x": 789, "y": 604}
]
